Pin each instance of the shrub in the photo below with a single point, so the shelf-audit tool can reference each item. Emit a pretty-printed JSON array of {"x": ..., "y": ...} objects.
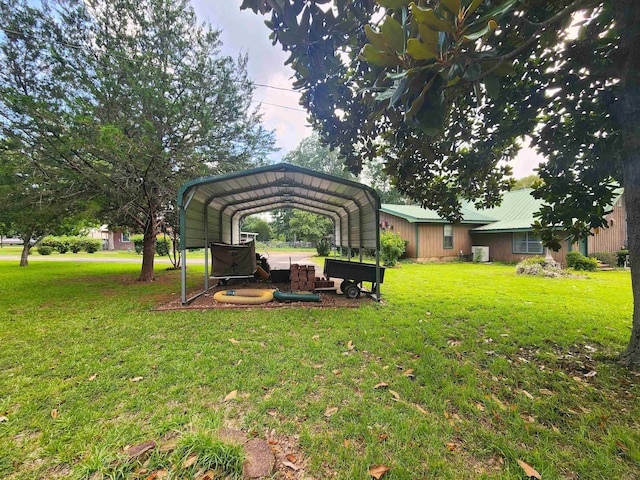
[
  {"x": 622, "y": 257},
  {"x": 59, "y": 244},
  {"x": 391, "y": 248},
  {"x": 91, "y": 245},
  {"x": 572, "y": 258},
  {"x": 44, "y": 249},
  {"x": 609, "y": 258},
  {"x": 62, "y": 244},
  {"x": 577, "y": 261},
  {"x": 323, "y": 247},
  {"x": 75, "y": 244},
  {"x": 162, "y": 246}
]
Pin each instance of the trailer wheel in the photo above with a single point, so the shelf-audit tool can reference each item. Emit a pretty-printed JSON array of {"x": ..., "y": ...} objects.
[
  {"x": 344, "y": 285},
  {"x": 352, "y": 291}
]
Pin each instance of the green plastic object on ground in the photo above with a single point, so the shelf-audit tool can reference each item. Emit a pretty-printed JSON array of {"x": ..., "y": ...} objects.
[{"x": 296, "y": 297}]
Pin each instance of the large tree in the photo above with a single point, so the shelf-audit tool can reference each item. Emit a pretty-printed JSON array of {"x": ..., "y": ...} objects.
[
  {"x": 449, "y": 86},
  {"x": 313, "y": 154},
  {"x": 35, "y": 198},
  {"x": 140, "y": 101}
]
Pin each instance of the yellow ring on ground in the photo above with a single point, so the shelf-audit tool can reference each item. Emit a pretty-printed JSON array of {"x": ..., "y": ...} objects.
[{"x": 244, "y": 296}]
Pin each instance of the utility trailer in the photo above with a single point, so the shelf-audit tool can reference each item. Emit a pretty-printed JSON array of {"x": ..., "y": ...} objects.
[{"x": 352, "y": 273}]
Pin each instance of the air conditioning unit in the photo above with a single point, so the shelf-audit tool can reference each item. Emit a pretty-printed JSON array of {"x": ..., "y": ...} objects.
[{"x": 480, "y": 254}]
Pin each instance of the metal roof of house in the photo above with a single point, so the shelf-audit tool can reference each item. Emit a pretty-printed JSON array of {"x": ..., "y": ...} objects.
[
  {"x": 212, "y": 208},
  {"x": 416, "y": 214},
  {"x": 515, "y": 213}
]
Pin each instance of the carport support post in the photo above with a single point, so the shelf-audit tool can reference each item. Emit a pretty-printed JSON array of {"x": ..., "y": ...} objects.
[
  {"x": 378, "y": 255},
  {"x": 206, "y": 248},
  {"x": 183, "y": 276}
]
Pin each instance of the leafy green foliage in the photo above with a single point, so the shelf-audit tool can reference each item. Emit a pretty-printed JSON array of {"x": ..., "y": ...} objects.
[
  {"x": 44, "y": 250},
  {"x": 392, "y": 247},
  {"x": 577, "y": 261},
  {"x": 257, "y": 225},
  {"x": 323, "y": 247},
  {"x": 133, "y": 98},
  {"x": 309, "y": 227}
]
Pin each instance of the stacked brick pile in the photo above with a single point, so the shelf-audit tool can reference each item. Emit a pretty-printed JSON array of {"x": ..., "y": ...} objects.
[
  {"x": 322, "y": 283},
  {"x": 303, "y": 277}
]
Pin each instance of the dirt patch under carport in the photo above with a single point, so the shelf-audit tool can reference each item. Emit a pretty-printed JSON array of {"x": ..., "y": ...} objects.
[{"x": 206, "y": 301}]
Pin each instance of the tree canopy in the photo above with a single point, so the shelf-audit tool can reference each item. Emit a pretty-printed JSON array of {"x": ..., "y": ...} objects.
[
  {"x": 133, "y": 97},
  {"x": 442, "y": 89}
]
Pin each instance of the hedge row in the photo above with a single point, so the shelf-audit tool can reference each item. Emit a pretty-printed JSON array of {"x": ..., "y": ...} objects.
[{"x": 66, "y": 244}]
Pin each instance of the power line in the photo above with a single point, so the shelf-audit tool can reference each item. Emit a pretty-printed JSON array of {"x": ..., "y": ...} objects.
[{"x": 280, "y": 106}]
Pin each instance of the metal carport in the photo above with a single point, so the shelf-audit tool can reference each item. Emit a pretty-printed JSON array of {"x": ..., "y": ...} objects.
[{"x": 211, "y": 208}]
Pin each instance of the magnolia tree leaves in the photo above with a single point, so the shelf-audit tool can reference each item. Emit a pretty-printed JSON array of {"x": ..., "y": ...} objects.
[{"x": 416, "y": 44}]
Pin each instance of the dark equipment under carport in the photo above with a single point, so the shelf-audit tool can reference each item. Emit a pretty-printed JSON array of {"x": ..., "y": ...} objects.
[{"x": 352, "y": 273}]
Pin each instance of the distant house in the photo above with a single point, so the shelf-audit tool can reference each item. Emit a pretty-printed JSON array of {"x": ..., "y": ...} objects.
[
  {"x": 112, "y": 239},
  {"x": 505, "y": 232}
]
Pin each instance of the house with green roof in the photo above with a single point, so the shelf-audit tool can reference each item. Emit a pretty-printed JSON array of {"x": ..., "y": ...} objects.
[{"x": 503, "y": 233}]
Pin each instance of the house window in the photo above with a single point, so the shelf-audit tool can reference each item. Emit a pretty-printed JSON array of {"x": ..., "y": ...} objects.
[
  {"x": 527, "y": 242},
  {"x": 125, "y": 236},
  {"x": 448, "y": 236}
]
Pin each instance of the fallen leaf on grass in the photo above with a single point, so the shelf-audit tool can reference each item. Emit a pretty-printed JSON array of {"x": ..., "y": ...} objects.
[
  {"x": 272, "y": 413},
  {"x": 378, "y": 471},
  {"x": 208, "y": 475},
  {"x": 190, "y": 461},
  {"x": 234, "y": 341},
  {"x": 140, "y": 449},
  {"x": 136, "y": 379},
  {"x": 350, "y": 345},
  {"x": 335, "y": 372},
  {"x": 529, "y": 471},
  {"x": 622, "y": 446},
  {"x": 381, "y": 385},
  {"x": 408, "y": 373},
  {"x": 420, "y": 409},
  {"x": 168, "y": 447},
  {"x": 54, "y": 413},
  {"x": 590, "y": 374},
  {"x": 291, "y": 466},
  {"x": 395, "y": 394},
  {"x": 498, "y": 402},
  {"x": 527, "y": 394},
  {"x": 330, "y": 411},
  {"x": 231, "y": 395},
  {"x": 546, "y": 391},
  {"x": 92, "y": 377},
  {"x": 271, "y": 441},
  {"x": 346, "y": 443},
  {"x": 3, "y": 419},
  {"x": 292, "y": 458},
  {"x": 452, "y": 447},
  {"x": 316, "y": 337},
  {"x": 382, "y": 437}
]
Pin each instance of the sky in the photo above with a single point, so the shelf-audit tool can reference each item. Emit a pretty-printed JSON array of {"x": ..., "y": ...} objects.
[{"x": 242, "y": 32}]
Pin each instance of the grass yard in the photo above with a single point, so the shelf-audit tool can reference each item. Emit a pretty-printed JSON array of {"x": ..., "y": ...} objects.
[{"x": 465, "y": 371}]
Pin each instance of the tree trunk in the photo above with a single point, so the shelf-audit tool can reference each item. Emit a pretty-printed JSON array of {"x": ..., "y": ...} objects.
[
  {"x": 631, "y": 356},
  {"x": 627, "y": 115},
  {"x": 24, "y": 257},
  {"x": 148, "y": 250}
]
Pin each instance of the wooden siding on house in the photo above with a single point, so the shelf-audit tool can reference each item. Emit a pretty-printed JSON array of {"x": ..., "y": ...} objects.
[
  {"x": 613, "y": 238},
  {"x": 429, "y": 238},
  {"x": 501, "y": 248}
]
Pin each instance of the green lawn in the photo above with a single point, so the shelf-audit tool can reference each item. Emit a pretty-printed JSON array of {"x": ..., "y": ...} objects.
[{"x": 463, "y": 371}]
